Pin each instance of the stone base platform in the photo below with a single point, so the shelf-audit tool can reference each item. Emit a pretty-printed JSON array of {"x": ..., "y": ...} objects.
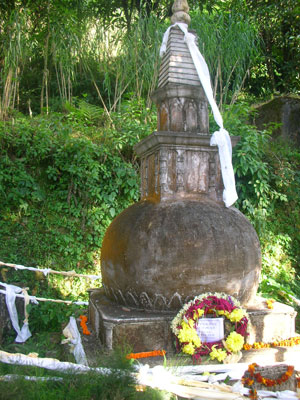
[
  {"x": 286, "y": 355},
  {"x": 148, "y": 330},
  {"x": 118, "y": 325}
]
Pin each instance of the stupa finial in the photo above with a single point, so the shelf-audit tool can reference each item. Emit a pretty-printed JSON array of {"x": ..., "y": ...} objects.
[{"x": 180, "y": 12}]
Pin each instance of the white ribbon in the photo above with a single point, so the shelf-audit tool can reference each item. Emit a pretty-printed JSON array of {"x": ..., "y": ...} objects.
[
  {"x": 219, "y": 138},
  {"x": 47, "y": 271},
  {"x": 284, "y": 395},
  {"x": 73, "y": 337},
  {"x": 265, "y": 394},
  {"x": 10, "y": 298}
]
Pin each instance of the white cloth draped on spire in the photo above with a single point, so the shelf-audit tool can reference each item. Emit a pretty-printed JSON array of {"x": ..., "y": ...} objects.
[{"x": 221, "y": 137}]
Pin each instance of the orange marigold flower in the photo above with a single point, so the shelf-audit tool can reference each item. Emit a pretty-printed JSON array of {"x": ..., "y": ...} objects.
[
  {"x": 270, "y": 303},
  {"x": 290, "y": 370},
  {"x": 83, "y": 320},
  {"x": 146, "y": 354},
  {"x": 252, "y": 367},
  {"x": 253, "y": 394},
  {"x": 266, "y": 381}
]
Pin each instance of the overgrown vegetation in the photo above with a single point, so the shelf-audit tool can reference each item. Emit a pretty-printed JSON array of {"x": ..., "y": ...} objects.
[{"x": 62, "y": 180}]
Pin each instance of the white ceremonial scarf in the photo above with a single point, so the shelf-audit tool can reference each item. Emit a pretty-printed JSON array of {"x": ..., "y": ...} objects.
[{"x": 221, "y": 137}]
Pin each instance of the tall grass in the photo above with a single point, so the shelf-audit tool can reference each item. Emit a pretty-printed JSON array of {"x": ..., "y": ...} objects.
[
  {"x": 15, "y": 48},
  {"x": 127, "y": 62},
  {"x": 229, "y": 43},
  {"x": 73, "y": 53}
]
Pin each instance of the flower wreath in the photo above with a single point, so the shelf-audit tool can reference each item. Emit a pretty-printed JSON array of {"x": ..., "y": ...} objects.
[{"x": 213, "y": 305}]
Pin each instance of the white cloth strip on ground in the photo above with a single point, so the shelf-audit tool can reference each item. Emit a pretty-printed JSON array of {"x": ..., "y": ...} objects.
[
  {"x": 51, "y": 363},
  {"x": 72, "y": 334},
  {"x": 159, "y": 377},
  {"x": 12, "y": 377},
  {"x": 219, "y": 138}
]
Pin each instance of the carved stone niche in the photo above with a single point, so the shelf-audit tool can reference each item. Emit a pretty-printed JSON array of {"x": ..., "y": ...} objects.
[
  {"x": 181, "y": 108},
  {"x": 180, "y": 165}
]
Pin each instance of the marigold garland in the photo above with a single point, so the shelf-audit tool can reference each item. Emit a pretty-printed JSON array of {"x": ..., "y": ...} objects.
[
  {"x": 256, "y": 376},
  {"x": 270, "y": 303},
  {"x": 294, "y": 341},
  {"x": 83, "y": 321},
  {"x": 215, "y": 305},
  {"x": 146, "y": 354}
]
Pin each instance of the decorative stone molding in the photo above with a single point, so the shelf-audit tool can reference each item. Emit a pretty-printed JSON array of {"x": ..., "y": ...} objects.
[
  {"x": 181, "y": 109},
  {"x": 143, "y": 300}
]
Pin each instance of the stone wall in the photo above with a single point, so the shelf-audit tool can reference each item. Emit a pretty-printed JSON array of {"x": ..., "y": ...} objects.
[{"x": 284, "y": 110}]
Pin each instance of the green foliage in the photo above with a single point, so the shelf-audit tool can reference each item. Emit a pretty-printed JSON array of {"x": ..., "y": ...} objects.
[
  {"x": 230, "y": 49},
  {"x": 268, "y": 185},
  {"x": 50, "y": 317},
  {"x": 61, "y": 184},
  {"x": 277, "y": 68}
]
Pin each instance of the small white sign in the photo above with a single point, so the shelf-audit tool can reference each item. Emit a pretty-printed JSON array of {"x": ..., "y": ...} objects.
[{"x": 210, "y": 329}]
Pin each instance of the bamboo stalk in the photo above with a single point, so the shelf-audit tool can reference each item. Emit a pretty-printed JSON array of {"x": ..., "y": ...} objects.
[{"x": 101, "y": 98}]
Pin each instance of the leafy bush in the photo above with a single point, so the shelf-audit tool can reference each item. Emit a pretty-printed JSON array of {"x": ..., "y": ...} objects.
[
  {"x": 268, "y": 184},
  {"x": 62, "y": 181}
]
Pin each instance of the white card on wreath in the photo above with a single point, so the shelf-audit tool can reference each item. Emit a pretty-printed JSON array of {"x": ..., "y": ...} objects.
[{"x": 210, "y": 329}]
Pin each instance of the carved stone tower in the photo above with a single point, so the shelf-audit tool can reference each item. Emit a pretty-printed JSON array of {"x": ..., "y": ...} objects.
[{"x": 179, "y": 240}]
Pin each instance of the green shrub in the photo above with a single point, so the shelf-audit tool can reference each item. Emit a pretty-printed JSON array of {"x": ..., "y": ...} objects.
[
  {"x": 268, "y": 184},
  {"x": 62, "y": 181}
]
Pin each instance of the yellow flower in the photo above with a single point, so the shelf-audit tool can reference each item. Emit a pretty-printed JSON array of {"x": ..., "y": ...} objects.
[
  {"x": 270, "y": 303},
  {"x": 234, "y": 342},
  {"x": 200, "y": 312},
  {"x": 188, "y": 349},
  {"x": 191, "y": 323},
  {"x": 196, "y": 340},
  {"x": 188, "y": 334},
  {"x": 236, "y": 315},
  {"x": 223, "y": 312},
  {"x": 184, "y": 335},
  {"x": 219, "y": 354}
]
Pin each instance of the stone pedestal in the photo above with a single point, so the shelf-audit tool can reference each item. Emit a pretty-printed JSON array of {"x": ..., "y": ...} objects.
[
  {"x": 118, "y": 325},
  {"x": 268, "y": 325},
  {"x": 149, "y": 330}
]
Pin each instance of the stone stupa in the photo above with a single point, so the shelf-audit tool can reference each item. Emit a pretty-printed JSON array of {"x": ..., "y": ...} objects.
[{"x": 180, "y": 240}]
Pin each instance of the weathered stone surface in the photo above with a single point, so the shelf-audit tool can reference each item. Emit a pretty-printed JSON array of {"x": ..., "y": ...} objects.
[
  {"x": 145, "y": 331},
  {"x": 159, "y": 255},
  {"x": 269, "y": 325},
  {"x": 177, "y": 66},
  {"x": 181, "y": 108},
  {"x": 118, "y": 326},
  {"x": 284, "y": 110},
  {"x": 289, "y": 355},
  {"x": 180, "y": 165}
]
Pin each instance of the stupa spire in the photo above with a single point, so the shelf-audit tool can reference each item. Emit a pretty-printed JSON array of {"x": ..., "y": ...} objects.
[{"x": 180, "y": 12}]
